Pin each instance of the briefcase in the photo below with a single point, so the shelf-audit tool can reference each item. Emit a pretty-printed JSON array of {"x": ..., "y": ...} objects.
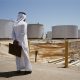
[{"x": 15, "y": 49}]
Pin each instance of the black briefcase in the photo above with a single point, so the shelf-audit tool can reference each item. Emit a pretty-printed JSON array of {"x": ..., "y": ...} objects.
[{"x": 15, "y": 49}]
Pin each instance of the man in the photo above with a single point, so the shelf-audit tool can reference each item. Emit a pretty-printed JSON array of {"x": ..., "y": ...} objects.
[{"x": 19, "y": 33}]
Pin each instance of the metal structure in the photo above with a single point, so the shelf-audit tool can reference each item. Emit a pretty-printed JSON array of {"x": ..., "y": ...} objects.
[
  {"x": 35, "y": 31},
  {"x": 5, "y": 29},
  {"x": 49, "y": 35},
  {"x": 79, "y": 33},
  {"x": 65, "y": 31}
]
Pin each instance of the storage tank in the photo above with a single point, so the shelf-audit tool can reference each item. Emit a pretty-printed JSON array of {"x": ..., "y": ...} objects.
[
  {"x": 79, "y": 33},
  {"x": 49, "y": 35},
  {"x": 65, "y": 31},
  {"x": 35, "y": 31},
  {"x": 5, "y": 29}
]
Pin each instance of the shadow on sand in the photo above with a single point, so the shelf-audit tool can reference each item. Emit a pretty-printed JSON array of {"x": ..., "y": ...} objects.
[{"x": 11, "y": 74}]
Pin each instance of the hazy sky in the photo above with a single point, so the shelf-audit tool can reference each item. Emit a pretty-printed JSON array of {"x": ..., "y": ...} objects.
[{"x": 47, "y": 12}]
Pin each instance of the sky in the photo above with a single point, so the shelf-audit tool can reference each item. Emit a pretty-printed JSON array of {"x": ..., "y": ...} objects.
[{"x": 46, "y": 12}]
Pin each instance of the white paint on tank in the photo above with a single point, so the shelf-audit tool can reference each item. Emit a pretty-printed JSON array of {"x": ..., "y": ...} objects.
[
  {"x": 5, "y": 28},
  {"x": 65, "y": 31},
  {"x": 35, "y": 31},
  {"x": 49, "y": 35},
  {"x": 79, "y": 33}
]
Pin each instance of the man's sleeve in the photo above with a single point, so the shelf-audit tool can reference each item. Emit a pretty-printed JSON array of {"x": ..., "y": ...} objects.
[{"x": 13, "y": 35}]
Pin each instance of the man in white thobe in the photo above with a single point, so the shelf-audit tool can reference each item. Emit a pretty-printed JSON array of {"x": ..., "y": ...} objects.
[{"x": 19, "y": 33}]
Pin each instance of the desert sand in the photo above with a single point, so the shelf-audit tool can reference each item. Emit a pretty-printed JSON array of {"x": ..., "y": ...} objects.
[{"x": 44, "y": 69}]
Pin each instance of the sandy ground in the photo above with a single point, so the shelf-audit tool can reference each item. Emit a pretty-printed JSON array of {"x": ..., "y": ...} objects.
[{"x": 41, "y": 71}]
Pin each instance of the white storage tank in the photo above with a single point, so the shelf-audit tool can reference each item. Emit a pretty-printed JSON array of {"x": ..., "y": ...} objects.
[
  {"x": 5, "y": 29},
  {"x": 49, "y": 35},
  {"x": 65, "y": 31},
  {"x": 35, "y": 31},
  {"x": 79, "y": 33}
]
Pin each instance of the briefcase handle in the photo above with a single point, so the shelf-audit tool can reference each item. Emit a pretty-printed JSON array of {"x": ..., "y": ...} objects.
[{"x": 15, "y": 42}]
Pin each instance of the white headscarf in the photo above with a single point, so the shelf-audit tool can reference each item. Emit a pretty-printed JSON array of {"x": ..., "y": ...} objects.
[{"x": 21, "y": 17}]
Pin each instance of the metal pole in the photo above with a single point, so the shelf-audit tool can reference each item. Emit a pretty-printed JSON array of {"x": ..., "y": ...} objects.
[
  {"x": 66, "y": 53},
  {"x": 36, "y": 52}
]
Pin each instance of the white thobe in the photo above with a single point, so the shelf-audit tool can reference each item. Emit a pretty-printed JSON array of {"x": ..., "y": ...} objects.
[{"x": 19, "y": 33}]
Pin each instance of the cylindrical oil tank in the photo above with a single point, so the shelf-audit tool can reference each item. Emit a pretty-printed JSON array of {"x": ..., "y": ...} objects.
[
  {"x": 49, "y": 35},
  {"x": 6, "y": 29},
  {"x": 79, "y": 33},
  {"x": 35, "y": 31},
  {"x": 65, "y": 31}
]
